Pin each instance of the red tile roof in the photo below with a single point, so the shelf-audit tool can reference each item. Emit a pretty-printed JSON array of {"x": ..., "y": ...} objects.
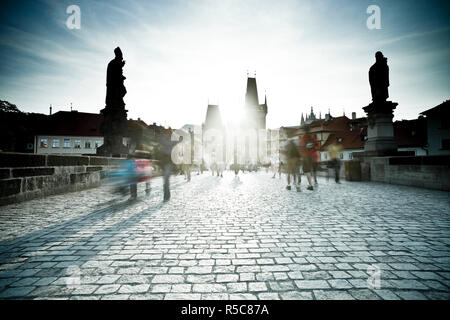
[
  {"x": 74, "y": 123},
  {"x": 348, "y": 139}
]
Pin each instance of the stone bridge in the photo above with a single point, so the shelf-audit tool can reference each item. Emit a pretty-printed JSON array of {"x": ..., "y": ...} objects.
[{"x": 219, "y": 238}]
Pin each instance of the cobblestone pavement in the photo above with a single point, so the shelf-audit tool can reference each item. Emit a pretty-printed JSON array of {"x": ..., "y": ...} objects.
[{"x": 220, "y": 239}]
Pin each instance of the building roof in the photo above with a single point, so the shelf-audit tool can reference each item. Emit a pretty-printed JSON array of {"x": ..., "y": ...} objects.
[
  {"x": 348, "y": 139},
  {"x": 213, "y": 117},
  {"x": 322, "y": 125},
  {"x": 136, "y": 124},
  {"x": 411, "y": 133},
  {"x": 74, "y": 123},
  {"x": 251, "y": 94},
  {"x": 443, "y": 107}
]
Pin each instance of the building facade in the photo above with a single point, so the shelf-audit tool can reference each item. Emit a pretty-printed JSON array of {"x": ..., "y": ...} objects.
[
  {"x": 71, "y": 132},
  {"x": 438, "y": 129}
]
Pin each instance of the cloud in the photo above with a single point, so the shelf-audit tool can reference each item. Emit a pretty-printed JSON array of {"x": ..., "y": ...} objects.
[{"x": 180, "y": 53}]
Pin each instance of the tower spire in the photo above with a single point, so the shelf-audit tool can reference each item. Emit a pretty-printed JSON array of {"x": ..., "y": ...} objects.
[{"x": 251, "y": 95}]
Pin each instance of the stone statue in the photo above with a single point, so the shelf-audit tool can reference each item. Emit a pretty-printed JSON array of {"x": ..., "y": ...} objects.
[
  {"x": 114, "y": 126},
  {"x": 115, "y": 89},
  {"x": 380, "y": 131},
  {"x": 379, "y": 78}
]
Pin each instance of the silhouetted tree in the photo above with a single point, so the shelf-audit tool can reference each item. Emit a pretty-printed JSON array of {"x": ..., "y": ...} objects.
[
  {"x": 18, "y": 128},
  {"x": 6, "y": 106}
]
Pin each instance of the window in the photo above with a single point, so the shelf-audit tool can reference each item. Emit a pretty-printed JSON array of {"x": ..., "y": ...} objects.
[
  {"x": 55, "y": 143},
  {"x": 77, "y": 144},
  {"x": 341, "y": 155},
  {"x": 446, "y": 144},
  {"x": 98, "y": 143},
  {"x": 66, "y": 143},
  {"x": 87, "y": 144},
  {"x": 350, "y": 156},
  {"x": 325, "y": 156},
  {"x": 44, "y": 143}
]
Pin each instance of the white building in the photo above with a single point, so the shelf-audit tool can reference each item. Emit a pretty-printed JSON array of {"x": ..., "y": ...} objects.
[
  {"x": 71, "y": 132},
  {"x": 438, "y": 129}
]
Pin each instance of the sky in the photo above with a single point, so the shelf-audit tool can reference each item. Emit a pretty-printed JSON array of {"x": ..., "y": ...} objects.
[{"x": 180, "y": 55}]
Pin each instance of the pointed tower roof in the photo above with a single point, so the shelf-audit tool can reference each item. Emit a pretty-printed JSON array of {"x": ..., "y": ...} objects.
[
  {"x": 213, "y": 117},
  {"x": 251, "y": 95}
]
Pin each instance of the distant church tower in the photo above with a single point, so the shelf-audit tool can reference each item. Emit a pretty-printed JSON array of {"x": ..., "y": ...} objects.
[
  {"x": 309, "y": 118},
  {"x": 255, "y": 113}
]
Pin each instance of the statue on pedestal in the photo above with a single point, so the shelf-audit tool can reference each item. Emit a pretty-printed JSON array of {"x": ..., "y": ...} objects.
[
  {"x": 380, "y": 112},
  {"x": 114, "y": 125}
]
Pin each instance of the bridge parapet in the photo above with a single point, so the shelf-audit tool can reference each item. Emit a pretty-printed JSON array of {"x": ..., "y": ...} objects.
[{"x": 29, "y": 176}]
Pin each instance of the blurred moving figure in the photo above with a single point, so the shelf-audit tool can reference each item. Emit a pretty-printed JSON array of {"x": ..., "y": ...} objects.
[
  {"x": 220, "y": 169},
  {"x": 334, "y": 151},
  {"x": 274, "y": 167},
  {"x": 315, "y": 167},
  {"x": 280, "y": 168},
  {"x": 187, "y": 172},
  {"x": 166, "y": 146},
  {"x": 293, "y": 157},
  {"x": 129, "y": 173},
  {"x": 142, "y": 172},
  {"x": 309, "y": 146}
]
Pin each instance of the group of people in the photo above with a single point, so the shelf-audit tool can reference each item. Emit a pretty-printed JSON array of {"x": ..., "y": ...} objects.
[
  {"x": 300, "y": 156},
  {"x": 303, "y": 155}
]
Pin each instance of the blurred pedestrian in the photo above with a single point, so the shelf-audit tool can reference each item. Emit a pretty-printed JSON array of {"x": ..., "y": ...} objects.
[
  {"x": 166, "y": 145},
  {"x": 293, "y": 157},
  {"x": 308, "y": 146},
  {"x": 138, "y": 170},
  {"x": 334, "y": 151},
  {"x": 280, "y": 168},
  {"x": 274, "y": 167},
  {"x": 315, "y": 168}
]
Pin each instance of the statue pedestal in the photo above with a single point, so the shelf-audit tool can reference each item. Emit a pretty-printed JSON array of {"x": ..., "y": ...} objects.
[
  {"x": 380, "y": 130},
  {"x": 114, "y": 128},
  {"x": 380, "y": 133}
]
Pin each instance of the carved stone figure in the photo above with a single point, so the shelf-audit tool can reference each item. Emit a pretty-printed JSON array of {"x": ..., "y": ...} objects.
[
  {"x": 115, "y": 116},
  {"x": 379, "y": 78},
  {"x": 115, "y": 89}
]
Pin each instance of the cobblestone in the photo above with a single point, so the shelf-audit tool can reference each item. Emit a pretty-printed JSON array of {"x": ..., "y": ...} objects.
[{"x": 218, "y": 239}]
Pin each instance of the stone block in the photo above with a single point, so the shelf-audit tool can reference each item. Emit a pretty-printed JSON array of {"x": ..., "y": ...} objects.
[
  {"x": 79, "y": 169},
  {"x": 10, "y": 187},
  {"x": 79, "y": 178},
  {"x": 98, "y": 161},
  {"x": 32, "y": 184},
  {"x": 93, "y": 169},
  {"x": 353, "y": 170},
  {"x": 5, "y": 173},
  {"x": 14, "y": 160},
  {"x": 54, "y": 160},
  {"x": 31, "y": 172}
]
